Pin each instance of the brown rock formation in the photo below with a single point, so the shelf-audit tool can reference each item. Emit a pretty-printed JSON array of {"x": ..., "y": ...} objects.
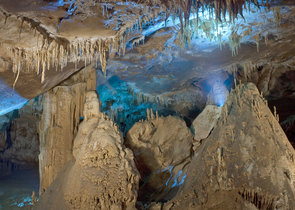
[
  {"x": 277, "y": 82},
  {"x": 62, "y": 109},
  {"x": 162, "y": 148},
  {"x": 204, "y": 123},
  {"x": 246, "y": 163},
  {"x": 103, "y": 173}
]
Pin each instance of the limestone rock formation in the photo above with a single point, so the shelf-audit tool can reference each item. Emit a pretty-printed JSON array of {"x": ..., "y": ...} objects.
[
  {"x": 162, "y": 148},
  {"x": 205, "y": 122},
  {"x": 246, "y": 163},
  {"x": 102, "y": 174},
  {"x": 62, "y": 110},
  {"x": 19, "y": 136}
]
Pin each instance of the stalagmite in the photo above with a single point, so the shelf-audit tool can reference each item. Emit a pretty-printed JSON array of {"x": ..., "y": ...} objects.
[
  {"x": 101, "y": 174},
  {"x": 63, "y": 106},
  {"x": 276, "y": 115},
  {"x": 233, "y": 177},
  {"x": 152, "y": 114},
  {"x": 148, "y": 114}
]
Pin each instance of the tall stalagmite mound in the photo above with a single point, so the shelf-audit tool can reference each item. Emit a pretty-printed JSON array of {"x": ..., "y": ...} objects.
[
  {"x": 63, "y": 107},
  {"x": 102, "y": 174},
  {"x": 246, "y": 163}
]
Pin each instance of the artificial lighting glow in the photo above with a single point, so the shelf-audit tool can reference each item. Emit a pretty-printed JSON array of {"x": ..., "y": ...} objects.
[{"x": 10, "y": 99}]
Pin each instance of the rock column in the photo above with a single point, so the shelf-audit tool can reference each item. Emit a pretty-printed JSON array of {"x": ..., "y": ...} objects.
[{"x": 62, "y": 110}]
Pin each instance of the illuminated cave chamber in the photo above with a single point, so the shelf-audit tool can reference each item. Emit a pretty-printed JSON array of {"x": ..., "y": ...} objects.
[{"x": 148, "y": 104}]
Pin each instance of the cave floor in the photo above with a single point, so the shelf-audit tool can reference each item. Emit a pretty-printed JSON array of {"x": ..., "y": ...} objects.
[{"x": 16, "y": 188}]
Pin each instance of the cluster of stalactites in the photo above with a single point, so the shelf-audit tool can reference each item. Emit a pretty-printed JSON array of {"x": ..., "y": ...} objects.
[
  {"x": 183, "y": 8},
  {"x": 220, "y": 8},
  {"x": 54, "y": 55},
  {"x": 55, "y": 52}
]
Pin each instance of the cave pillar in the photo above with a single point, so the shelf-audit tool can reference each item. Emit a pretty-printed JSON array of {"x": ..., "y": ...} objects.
[{"x": 62, "y": 111}]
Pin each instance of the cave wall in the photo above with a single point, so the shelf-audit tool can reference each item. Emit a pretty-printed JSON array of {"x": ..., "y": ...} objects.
[
  {"x": 19, "y": 137},
  {"x": 62, "y": 111}
]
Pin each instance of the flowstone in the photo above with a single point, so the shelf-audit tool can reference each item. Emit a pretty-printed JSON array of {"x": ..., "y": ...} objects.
[{"x": 102, "y": 174}]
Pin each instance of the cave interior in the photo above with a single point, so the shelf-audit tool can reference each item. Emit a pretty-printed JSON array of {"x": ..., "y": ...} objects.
[{"x": 147, "y": 104}]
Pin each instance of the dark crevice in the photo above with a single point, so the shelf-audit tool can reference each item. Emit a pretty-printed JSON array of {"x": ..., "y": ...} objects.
[{"x": 260, "y": 200}]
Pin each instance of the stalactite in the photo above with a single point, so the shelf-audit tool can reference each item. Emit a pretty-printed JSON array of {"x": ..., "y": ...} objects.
[
  {"x": 277, "y": 15},
  {"x": 21, "y": 28},
  {"x": 266, "y": 39},
  {"x": 234, "y": 43},
  {"x": 56, "y": 52},
  {"x": 17, "y": 76},
  {"x": 257, "y": 40}
]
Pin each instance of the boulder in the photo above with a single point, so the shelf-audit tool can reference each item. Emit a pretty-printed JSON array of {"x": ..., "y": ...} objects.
[
  {"x": 162, "y": 148},
  {"x": 205, "y": 122}
]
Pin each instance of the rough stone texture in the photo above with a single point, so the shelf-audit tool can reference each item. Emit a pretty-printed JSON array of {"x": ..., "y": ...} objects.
[
  {"x": 277, "y": 82},
  {"x": 246, "y": 163},
  {"x": 19, "y": 136},
  {"x": 162, "y": 148},
  {"x": 62, "y": 109},
  {"x": 103, "y": 173},
  {"x": 205, "y": 122}
]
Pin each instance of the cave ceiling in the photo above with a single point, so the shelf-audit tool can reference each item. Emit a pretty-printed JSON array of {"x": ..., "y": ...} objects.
[{"x": 145, "y": 42}]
